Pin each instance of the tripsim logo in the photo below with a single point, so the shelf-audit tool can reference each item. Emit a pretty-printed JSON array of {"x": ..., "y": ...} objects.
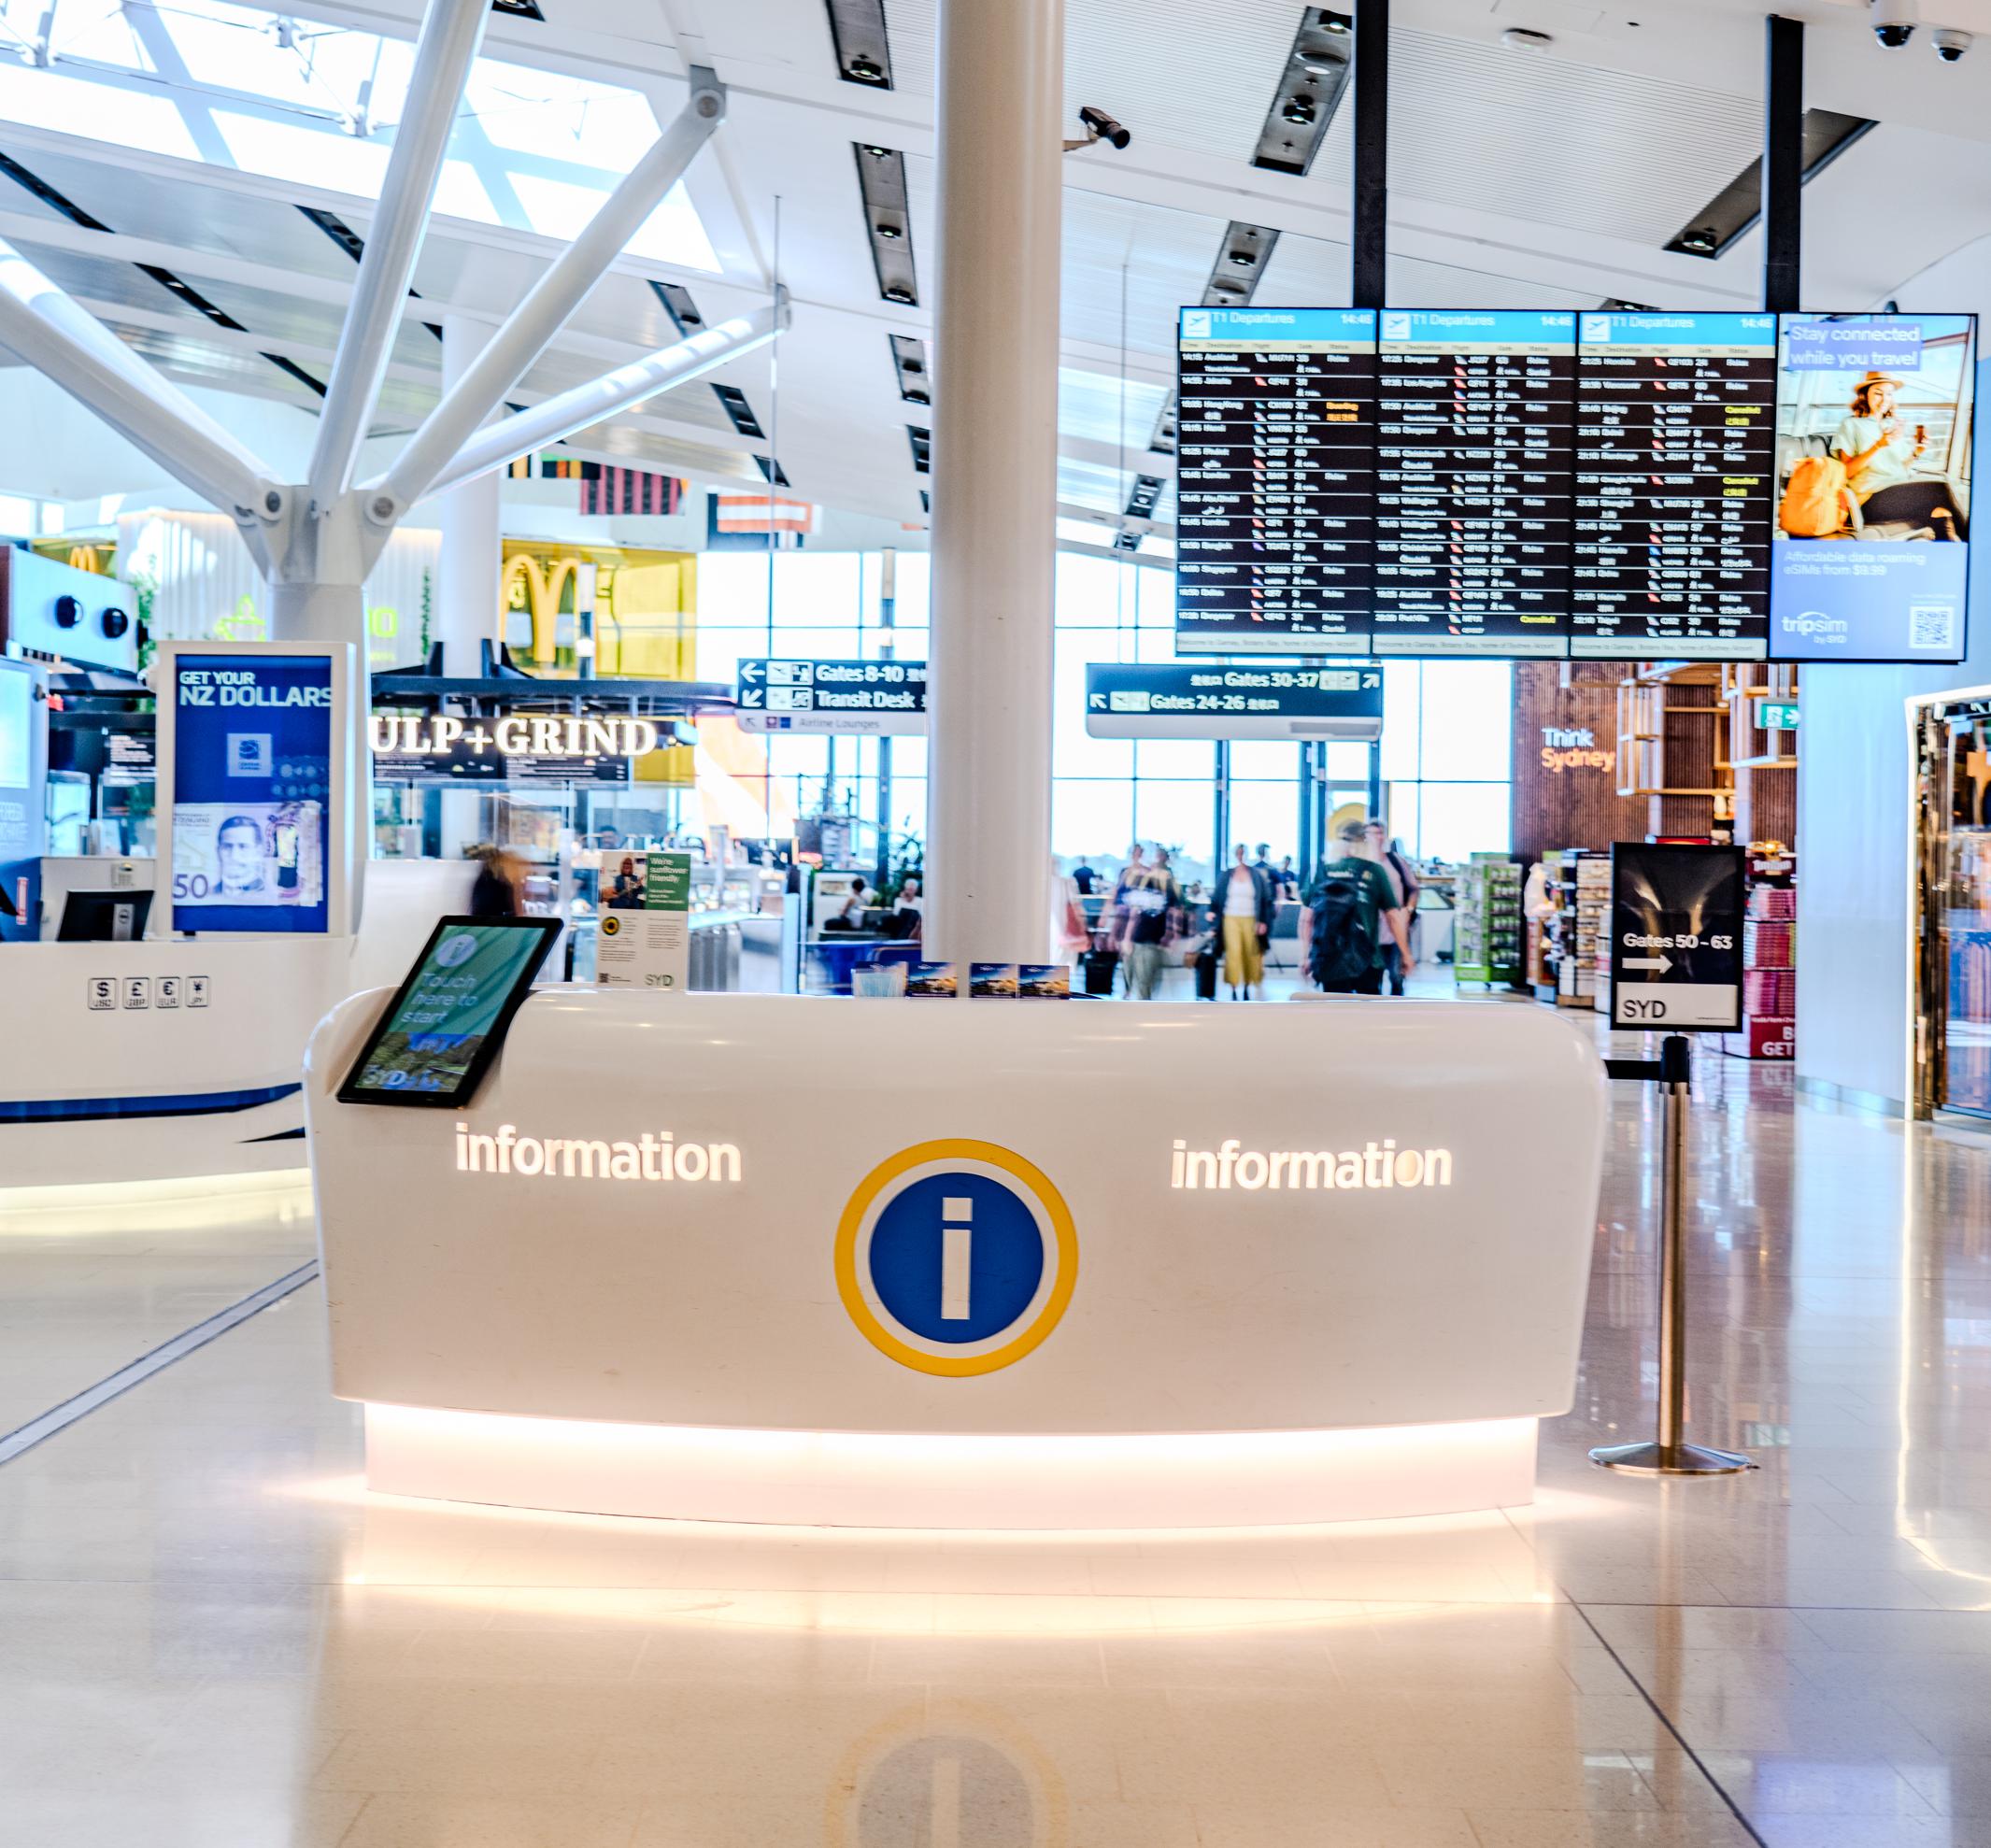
[{"x": 1815, "y": 625}]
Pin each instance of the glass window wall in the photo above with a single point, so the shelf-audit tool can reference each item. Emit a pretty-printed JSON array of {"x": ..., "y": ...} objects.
[{"x": 1444, "y": 757}]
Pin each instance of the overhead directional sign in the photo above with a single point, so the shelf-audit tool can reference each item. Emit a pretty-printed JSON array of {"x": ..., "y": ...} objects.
[
  {"x": 1178, "y": 700},
  {"x": 863, "y": 697},
  {"x": 1676, "y": 937}
]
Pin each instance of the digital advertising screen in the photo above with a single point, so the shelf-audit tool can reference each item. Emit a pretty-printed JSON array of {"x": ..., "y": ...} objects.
[
  {"x": 1870, "y": 558},
  {"x": 445, "y": 1024},
  {"x": 252, "y": 791},
  {"x": 1472, "y": 482},
  {"x": 1275, "y": 446},
  {"x": 1615, "y": 485}
]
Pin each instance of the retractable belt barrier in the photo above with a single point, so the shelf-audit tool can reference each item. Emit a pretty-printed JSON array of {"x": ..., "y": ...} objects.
[{"x": 1669, "y": 1455}]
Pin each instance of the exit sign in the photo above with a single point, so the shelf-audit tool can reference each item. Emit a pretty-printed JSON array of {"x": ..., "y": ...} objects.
[{"x": 1776, "y": 714}]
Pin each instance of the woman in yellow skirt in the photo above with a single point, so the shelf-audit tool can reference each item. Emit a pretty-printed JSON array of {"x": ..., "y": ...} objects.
[{"x": 1244, "y": 905}]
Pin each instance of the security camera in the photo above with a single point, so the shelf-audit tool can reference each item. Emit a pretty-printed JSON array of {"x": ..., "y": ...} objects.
[
  {"x": 1950, "y": 43},
  {"x": 1098, "y": 126},
  {"x": 1894, "y": 21}
]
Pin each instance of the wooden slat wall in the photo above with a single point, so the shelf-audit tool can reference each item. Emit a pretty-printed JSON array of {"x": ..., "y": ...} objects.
[
  {"x": 1689, "y": 762},
  {"x": 1574, "y": 807}
]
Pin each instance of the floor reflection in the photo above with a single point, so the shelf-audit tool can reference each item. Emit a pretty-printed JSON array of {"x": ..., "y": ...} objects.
[{"x": 209, "y": 1634}]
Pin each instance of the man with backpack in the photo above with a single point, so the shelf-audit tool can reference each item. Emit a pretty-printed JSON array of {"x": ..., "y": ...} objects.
[{"x": 1350, "y": 906}]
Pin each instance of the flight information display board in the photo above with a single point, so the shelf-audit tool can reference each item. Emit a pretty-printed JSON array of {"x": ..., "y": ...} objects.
[
  {"x": 1612, "y": 485},
  {"x": 1676, "y": 485},
  {"x": 1472, "y": 482},
  {"x": 1275, "y": 445}
]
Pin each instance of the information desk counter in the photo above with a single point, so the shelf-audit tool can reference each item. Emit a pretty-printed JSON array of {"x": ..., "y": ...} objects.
[{"x": 967, "y": 1264}]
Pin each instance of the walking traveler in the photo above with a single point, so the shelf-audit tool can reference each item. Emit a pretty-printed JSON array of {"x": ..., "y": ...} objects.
[
  {"x": 1244, "y": 905},
  {"x": 1350, "y": 906}
]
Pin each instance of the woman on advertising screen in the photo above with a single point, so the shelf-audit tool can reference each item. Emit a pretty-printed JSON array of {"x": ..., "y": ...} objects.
[
  {"x": 1882, "y": 453},
  {"x": 1871, "y": 441}
]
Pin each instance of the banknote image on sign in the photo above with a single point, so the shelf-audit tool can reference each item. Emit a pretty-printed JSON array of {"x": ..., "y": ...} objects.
[
  {"x": 251, "y": 781},
  {"x": 1676, "y": 937}
]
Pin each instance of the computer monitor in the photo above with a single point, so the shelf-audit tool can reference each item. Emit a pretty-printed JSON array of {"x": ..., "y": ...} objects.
[{"x": 104, "y": 918}]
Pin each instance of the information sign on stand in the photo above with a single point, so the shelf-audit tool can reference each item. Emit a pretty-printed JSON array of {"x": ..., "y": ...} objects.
[
  {"x": 1676, "y": 937},
  {"x": 644, "y": 929},
  {"x": 1187, "y": 700},
  {"x": 851, "y": 698}
]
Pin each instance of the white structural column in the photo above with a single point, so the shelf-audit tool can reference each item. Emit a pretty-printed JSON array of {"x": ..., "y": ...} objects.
[
  {"x": 556, "y": 419},
  {"x": 471, "y": 567},
  {"x": 995, "y": 479},
  {"x": 316, "y": 542},
  {"x": 451, "y": 32},
  {"x": 40, "y": 325},
  {"x": 550, "y": 304}
]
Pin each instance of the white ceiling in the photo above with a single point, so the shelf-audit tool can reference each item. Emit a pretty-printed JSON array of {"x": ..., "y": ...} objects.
[{"x": 1549, "y": 178}]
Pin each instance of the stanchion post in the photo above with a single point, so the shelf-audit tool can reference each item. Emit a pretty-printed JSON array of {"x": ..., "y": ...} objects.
[{"x": 1671, "y": 1454}]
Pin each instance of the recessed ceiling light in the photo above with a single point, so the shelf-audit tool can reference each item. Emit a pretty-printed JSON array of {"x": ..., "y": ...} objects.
[
  {"x": 1310, "y": 87},
  {"x": 887, "y": 226},
  {"x": 1715, "y": 227},
  {"x": 1519, "y": 39},
  {"x": 1247, "y": 247},
  {"x": 864, "y": 49}
]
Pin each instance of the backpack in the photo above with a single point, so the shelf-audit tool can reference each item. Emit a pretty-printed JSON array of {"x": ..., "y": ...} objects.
[
  {"x": 1814, "y": 503},
  {"x": 1342, "y": 949}
]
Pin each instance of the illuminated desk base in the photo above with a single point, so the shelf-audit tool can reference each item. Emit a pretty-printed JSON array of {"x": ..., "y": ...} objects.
[{"x": 837, "y": 1479}]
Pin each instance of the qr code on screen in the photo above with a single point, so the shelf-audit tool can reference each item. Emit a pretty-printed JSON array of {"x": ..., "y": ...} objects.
[{"x": 1932, "y": 626}]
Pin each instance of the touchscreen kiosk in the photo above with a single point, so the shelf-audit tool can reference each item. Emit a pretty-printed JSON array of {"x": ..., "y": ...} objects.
[{"x": 446, "y": 1020}]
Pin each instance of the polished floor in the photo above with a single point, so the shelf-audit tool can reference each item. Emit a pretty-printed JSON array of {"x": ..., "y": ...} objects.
[{"x": 211, "y": 1637}]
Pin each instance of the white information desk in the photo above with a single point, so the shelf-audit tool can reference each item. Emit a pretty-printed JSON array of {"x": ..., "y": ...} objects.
[{"x": 968, "y": 1263}]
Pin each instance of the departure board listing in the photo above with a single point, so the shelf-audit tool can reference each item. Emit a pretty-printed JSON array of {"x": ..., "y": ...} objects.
[
  {"x": 1472, "y": 482},
  {"x": 1617, "y": 485},
  {"x": 1675, "y": 465},
  {"x": 1276, "y": 455},
  {"x": 1871, "y": 559}
]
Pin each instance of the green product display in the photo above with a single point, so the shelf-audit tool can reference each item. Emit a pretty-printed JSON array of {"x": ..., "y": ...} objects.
[{"x": 1487, "y": 937}]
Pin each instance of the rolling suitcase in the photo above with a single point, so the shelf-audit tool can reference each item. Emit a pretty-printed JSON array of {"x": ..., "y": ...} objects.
[{"x": 1206, "y": 976}]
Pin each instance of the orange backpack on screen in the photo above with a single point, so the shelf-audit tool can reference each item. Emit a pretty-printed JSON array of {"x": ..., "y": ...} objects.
[{"x": 1814, "y": 503}]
